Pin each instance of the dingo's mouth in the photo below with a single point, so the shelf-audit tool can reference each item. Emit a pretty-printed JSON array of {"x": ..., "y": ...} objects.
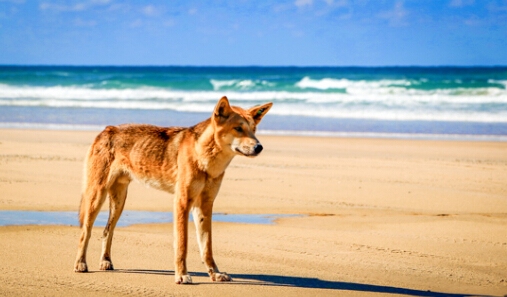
[{"x": 246, "y": 155}]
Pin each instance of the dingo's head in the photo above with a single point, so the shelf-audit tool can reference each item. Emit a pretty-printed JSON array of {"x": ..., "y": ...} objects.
[{"x": 235, "y": 127}]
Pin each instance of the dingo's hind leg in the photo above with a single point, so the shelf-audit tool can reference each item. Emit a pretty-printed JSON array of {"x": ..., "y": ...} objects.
[
  {"x": 117, "y": 196},
  {"x": 97, "y": 166}
]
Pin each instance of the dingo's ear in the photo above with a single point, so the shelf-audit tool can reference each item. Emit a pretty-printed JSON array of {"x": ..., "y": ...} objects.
[
  {"x": 222, "y": 109},
  {"x": 257, "y": 112}
]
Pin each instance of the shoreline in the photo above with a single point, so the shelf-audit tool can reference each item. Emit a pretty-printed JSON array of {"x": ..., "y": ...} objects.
[
  {"x": 286, "y": 133},
  {"x": 383, "y": 217}
]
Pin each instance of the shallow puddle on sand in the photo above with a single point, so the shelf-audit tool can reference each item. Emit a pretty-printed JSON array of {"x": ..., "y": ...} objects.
[{"x": 129, "y": 217}]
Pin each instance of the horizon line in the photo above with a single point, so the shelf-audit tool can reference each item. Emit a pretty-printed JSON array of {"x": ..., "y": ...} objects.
[{"x": 258, "y": 66}]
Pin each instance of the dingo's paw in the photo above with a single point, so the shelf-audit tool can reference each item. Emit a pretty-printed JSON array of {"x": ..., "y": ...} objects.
[
  {"x": 220, "y": 277},
  {"x": 80, "y": 267},
  {"x": 183, "y": 279},
  {"x": 106, "y": 265}
]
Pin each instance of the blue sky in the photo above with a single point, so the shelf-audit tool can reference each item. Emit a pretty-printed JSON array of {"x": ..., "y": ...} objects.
[{"x": 244, "y": 32}]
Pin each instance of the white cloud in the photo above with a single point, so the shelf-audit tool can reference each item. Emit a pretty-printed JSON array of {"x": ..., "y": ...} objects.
[
  {"x": 61, "y": 8},
  {"x": 337, "y": 3},
  {"x": 298, "y": 33},
  {"x": 473, "y": 21},
  {"x": 101, "y": 2},
  {"x": 396, "y": 16},
  {"x": 332, "y": 6},
  {"x": 81, "y": 6},
  {"x": 136, "y": 24},
  {"x": 150, "y": 10},
  {"x": 170, "y": 23},
  {"x": 14, "y": 1},
  {"x": 282, "y": 8},
  {"x": 84, "y": 23},
  {"x": 303, "y": 3},
  {"x": 461, "y": 3}
]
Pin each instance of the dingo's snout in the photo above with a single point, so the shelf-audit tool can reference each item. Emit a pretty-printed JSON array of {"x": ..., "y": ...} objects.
[
  {"x": 258, "y": 148},
  {"x": 249, "y": 149}
]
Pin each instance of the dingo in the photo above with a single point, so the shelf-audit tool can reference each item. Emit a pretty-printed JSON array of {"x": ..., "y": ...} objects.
[{"x": 189, "y": 162}]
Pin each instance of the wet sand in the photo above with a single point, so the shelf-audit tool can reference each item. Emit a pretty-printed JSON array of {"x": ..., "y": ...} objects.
[{"x": 382, "y": 217}]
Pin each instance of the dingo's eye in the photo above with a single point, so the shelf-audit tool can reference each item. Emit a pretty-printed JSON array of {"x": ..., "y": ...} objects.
[{"x": 239, "y": 129}]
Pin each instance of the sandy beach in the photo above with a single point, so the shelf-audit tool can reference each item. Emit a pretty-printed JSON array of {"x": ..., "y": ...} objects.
[{"x": 380, "y": 218}]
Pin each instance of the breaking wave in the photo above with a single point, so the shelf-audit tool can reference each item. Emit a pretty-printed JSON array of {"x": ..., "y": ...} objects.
[{"x": 389, "y": 100}]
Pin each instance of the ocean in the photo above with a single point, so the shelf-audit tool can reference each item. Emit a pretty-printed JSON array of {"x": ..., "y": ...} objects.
[{"x": 394, "y": 102}]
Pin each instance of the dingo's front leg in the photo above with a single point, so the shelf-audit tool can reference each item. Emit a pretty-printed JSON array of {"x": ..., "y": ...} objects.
[
  {"x": 202, "y": 215},
  {"x": 186, "y": 191},
  {"x": 202, "y": 219}
]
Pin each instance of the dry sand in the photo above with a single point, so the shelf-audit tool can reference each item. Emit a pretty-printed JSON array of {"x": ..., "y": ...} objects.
[{"x": 383, "y": 217}]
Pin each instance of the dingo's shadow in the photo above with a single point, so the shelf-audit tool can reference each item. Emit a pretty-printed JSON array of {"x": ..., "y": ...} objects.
[{"x": 306, "y": 282}]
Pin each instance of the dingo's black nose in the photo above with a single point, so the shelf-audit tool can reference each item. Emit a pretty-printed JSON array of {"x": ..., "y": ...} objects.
[{"x": 258, "y": 148}]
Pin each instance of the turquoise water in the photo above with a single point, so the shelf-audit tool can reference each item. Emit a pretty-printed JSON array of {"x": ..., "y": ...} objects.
[
  {"x": 129, "y": 217},
  {"x": 410, "y": 100}
]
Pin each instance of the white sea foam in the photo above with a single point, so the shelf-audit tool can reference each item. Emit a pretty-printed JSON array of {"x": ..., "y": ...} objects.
[
  {"x": 502, "y": 82},
  {"x": 330, "y": 83},
  {"x": 218, "y": 84},
  {"x": 422, "y": 136},
  {"x": 382, "y": 102},
  {"x": 238, "y": 84},
  {"x": 402, "y": 95},
  {"x": 389, "y": 113}
]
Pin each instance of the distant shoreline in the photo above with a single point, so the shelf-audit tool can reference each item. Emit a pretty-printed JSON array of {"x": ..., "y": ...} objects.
[
  {"x": 259, "y": 66},
  {"x": 295, "y": 133}
]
